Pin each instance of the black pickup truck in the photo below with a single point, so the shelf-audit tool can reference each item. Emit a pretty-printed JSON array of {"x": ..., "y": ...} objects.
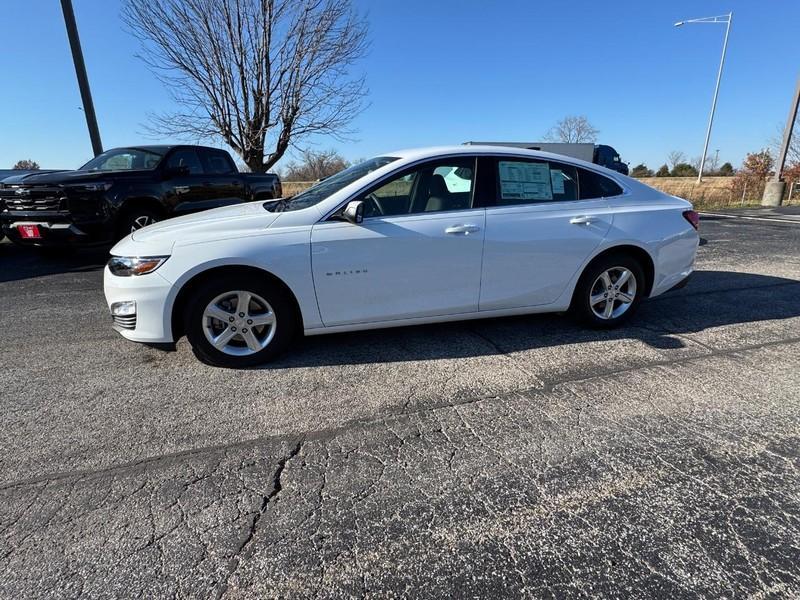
[{"x": 122, "y": 190}]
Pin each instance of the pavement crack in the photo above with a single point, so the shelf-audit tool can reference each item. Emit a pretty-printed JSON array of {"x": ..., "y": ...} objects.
[{"x": 245, "y": 547}]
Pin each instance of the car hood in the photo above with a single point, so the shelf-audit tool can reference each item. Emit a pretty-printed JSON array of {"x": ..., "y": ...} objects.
[{"x": 215, "y": 224}]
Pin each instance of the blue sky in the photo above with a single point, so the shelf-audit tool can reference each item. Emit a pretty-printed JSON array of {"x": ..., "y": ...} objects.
[{"x": 447, "y": 71}]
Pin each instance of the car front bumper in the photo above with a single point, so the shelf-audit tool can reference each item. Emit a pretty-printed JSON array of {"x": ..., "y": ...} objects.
[{"x": 150, "y": 322}]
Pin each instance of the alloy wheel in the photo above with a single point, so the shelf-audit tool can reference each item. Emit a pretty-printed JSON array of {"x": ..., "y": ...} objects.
[
  {"x": 612, "y": 293},
  {"x": 142, "y": 221},
  {"x": 239, "y": 323}
]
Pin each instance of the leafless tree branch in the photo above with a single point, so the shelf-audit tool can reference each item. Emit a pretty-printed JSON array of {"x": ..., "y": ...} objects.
[
  {"x": 573, "y": 129},
  {"x": 261, "y": 75}
]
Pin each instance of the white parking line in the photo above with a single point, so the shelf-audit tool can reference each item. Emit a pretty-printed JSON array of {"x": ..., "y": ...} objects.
[{"x": 774, "y": 219}]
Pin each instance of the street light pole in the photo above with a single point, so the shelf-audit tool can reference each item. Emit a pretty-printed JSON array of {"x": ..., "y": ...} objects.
[
  {"x": 719, "y": 19},
  {"x": 80, "y": 72}
]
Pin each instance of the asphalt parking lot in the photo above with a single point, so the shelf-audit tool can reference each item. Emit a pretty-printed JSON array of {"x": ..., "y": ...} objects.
[{"x": 520, "y": 456}]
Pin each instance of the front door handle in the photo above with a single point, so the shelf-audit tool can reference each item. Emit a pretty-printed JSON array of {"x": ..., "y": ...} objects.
[
  {"x": 466, "y": 229},
  {"x": 182, "y": 189},
  {"x": 584, "y": 220}
]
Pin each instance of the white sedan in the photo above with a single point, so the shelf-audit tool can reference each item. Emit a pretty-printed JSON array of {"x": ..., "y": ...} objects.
[{"x": 418, "y": 236}]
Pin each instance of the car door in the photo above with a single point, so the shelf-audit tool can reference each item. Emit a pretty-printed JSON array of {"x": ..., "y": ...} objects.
[
  {"x": 416, "y": 254},
  {"x": 185, "y": 188},
  {"x": 223, "y": 180},
  {"x": 539, "y": 231}
]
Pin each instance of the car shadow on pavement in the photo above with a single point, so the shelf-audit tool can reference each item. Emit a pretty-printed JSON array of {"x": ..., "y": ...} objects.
[
  {"x": 18, "y": 263},
  {"x": 711, "y": 299}
]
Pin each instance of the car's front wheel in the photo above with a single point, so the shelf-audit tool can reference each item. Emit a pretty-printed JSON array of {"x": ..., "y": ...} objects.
[
  {"x": 235, "y": 322},
  {"x": 134, "y": 219},
  {"x": 609, "y": 291}
]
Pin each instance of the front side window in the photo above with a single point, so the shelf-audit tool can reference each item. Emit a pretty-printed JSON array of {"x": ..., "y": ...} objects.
[
  {"x": 533, "y": 181},
  {"x": 186, "y": 158},
  {"x": 594, "y": 185},
  {"x": 123, "y": 159},
  {"x": 331, "y": 185},
  {"x": 437, "y": 186}
]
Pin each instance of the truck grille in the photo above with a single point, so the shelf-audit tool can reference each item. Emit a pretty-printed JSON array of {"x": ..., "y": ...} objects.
[
  {"x": 32, "y": 199},
  {"x": 125, "y": 322}
]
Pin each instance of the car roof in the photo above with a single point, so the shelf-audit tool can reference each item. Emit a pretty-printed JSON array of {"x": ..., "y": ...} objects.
[{"x": 412, "y": 154}]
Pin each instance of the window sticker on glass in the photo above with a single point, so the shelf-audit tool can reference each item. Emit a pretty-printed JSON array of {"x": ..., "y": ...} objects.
[
  {"x": 525, "y": 181},
  {"x": 557, "y": 179}
]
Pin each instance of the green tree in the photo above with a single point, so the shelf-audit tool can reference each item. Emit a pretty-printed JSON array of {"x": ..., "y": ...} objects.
[
  {"x": 663, "y": 171},
  {"x": 641, "y": 170},
  {"x": 27, "y": 165},
  {"x": 726, "y": 170},
  {"x": 683, "y": 169}
]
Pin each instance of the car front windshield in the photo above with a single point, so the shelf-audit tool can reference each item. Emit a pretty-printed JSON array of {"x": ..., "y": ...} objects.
[
  {"x": 331, "y": 185},
  {"x": 124, "y": 159}
]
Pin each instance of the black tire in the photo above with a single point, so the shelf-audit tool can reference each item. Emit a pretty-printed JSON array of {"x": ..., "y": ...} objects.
[
  {"x": 589, "y": 284},
  {"x": 136, "y": 218},
  {"x": 285, "y": 321}
]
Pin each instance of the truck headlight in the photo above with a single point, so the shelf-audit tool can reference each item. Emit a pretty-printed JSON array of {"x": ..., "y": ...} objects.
[{"x": 125, "y": 266}]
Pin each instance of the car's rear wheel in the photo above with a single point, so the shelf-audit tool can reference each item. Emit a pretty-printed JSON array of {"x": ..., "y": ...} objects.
[
  {"x": 609, "y": 291},
  {"x": 235, "y": 322}
]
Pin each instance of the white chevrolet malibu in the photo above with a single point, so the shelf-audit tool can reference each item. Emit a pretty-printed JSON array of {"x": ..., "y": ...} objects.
[{"x": 412, "y": 237}]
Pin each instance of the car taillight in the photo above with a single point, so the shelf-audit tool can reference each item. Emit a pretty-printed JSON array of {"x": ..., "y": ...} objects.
[{"x": 692, "y": 217}]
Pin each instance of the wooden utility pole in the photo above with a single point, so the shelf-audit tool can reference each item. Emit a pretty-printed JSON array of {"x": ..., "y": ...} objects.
[{"x": 83, "y": 80}]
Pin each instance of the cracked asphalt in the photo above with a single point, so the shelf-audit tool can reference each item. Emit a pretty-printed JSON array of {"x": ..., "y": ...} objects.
[{"x": 509, "y": 457}]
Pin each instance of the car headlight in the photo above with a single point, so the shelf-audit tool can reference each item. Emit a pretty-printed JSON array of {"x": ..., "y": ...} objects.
[
  {"x": 95, "y": 186},
  {"x": 125, "y": 266}
]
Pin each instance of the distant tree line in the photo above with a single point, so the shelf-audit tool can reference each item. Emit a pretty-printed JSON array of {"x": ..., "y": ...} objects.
[{"x": 27, "y": 165}]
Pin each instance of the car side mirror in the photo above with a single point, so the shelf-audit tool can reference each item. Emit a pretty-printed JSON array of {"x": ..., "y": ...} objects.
[
  {"x": 354, "y": 212},
  {"x": 170, "y": 172}
]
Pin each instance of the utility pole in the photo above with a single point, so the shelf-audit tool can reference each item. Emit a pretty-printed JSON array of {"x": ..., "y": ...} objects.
[
  {"x": 773, "y": 192},
  {"x": 80, "y": 72}
]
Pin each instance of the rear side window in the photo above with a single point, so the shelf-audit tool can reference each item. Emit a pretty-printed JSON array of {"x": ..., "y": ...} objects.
[
  {"x": 594, "y": 185},
  {"x": 529, "y": 181},
  {"x": 219, "y": 163},
  {"x": 186, "y": 158}
]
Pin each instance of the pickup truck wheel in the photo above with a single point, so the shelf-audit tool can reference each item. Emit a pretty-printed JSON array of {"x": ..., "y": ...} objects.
[
  {"x": 136, "y": 219},
  {"x": 235, "y": 322}
]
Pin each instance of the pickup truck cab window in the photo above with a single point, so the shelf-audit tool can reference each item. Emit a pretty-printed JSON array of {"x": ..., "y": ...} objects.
[
  {"x": 185, "y": 157},
  {"x": 218, "y": 163}
]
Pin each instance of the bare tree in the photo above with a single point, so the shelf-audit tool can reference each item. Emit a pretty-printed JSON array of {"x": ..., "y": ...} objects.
[
  {"x": 261, "y": 75},
  {"x": 793, "y": 152},
  {"x": 27, "y": 165},
  {"x": 315, "y": 165},
  {"x": 573, "y": 129},
  {"x": 675, "y": 158}
]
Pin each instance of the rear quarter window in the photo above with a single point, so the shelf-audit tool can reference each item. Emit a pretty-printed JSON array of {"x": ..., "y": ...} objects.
[{"x": 594, "y": 185}]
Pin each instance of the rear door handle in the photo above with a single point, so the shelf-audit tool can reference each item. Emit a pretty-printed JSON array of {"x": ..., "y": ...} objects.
[
  {"x": 584, "y": 220},
  {"x": 182, "y": 189},
  {"x": 466, "y": 229}
]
